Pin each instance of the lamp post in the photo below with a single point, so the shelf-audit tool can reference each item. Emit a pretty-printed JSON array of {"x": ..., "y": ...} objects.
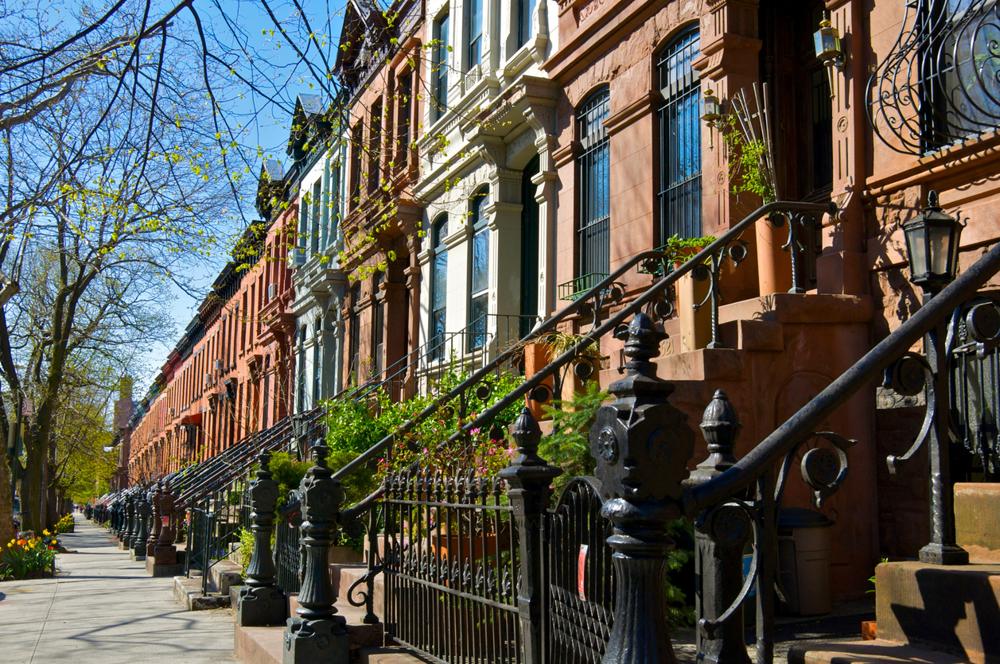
[{"x": 932, "y": 243}]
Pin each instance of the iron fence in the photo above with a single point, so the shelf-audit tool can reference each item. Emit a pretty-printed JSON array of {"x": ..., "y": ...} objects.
[
  {"x": 451, "y": 567},
  {"x": 287, "y": 547}
]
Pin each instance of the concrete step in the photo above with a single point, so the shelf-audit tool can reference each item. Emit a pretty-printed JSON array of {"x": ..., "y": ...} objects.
[
  {"x": 389, "y": 655},
  {"x": 866, "y": 652},
  {"x": 952, "y": 609},
  {"x": 265, "y": 645},
  {"x": 188, "y": 593},
  {"x": 977, "y": 520},
  {"x": 343, "y": 576}
]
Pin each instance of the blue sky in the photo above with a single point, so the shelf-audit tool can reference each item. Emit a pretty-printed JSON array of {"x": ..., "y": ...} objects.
[{"x": 277, "y": 71}]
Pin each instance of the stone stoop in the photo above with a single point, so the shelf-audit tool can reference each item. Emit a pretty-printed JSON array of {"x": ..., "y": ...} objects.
[
  {"x": 977, "y": 520},
  {"x": 343, "y": 576},
  {"x": 187, "y": 591},
  {"x": 265, "y": 645},
  {"x": 867, "y": 652},
  {"x": 925, "y": 613},
  {"x": 389, "y": 655}
]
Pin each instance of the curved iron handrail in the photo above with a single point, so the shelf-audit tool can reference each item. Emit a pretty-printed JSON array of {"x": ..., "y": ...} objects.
[
  {"x": 657, "y": 289},
  {"x": 763, "y": 456}
]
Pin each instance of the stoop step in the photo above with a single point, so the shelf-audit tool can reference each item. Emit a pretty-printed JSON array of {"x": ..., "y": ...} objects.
[{"x": 867, "y": 652}]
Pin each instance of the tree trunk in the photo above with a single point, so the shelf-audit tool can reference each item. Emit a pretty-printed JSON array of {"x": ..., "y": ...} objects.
[
  {"x": 6, "y": 503},
  {"x": 33, "y": 488}
]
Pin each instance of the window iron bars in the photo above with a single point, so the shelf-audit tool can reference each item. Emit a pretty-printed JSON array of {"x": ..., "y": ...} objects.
[
  {"x": 594, "y": 182},
  {"x": 940, "y": 83},
  {"x": 679, "y": 116}
]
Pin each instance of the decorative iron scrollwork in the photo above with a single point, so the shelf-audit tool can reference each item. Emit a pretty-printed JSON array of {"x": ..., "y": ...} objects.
[{"x": 940, "y": 82}]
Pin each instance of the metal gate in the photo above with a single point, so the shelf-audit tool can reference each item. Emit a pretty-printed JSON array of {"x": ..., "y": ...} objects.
[{"x": 578, "y": 587}]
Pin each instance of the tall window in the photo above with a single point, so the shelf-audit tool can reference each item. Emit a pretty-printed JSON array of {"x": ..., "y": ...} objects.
[
  {"x": 375, "y": 146},
  {"x": 301, "y": 373},
  {"x": 303, "y": 233},
  {"x": 354, "y": 334},
  {"x": 332, "y": 204},
  {"x": 439, "y": 66},
  {"x": 525, "y": 18},
  {"x": 679, "y": 195},
  {"x": 317, "y": 368},
  {"x": 317, "y": 213},
  {"x": 479, "y": 271},
  {"x": 474, "y": 32},
  {"x": 378, "y": 324},
  {"x": 355, "y": 172},
  {"x": 593, "y": 229},
  {"x": 405, "y": 88},
  {"x": 439, "y": 289}
]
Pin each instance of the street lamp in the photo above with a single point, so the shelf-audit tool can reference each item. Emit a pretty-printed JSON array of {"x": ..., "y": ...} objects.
[
  {"x": 826, "y": 42},
  {"x": 932, "y": 242}
]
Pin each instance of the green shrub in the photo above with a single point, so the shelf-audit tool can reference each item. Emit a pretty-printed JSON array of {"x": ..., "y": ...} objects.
[
  {"x": 287, "y": 471},
  {"x": 568, "y": 446}
]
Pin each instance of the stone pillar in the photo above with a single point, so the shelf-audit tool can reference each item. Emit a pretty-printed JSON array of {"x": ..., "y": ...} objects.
[
  {"x": 642, "y": 445},
  {"x": 719, "y": 538},
  {"x": 165, "y": 553},
  {"x": 530, "y": 479},
  {"x": 261, "y": 602},
  {"x": 317, "y": 633}
]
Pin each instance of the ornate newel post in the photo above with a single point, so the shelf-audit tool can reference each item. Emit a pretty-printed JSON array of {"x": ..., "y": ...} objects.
[
  {"x": 261, "y": 602},
  {"x": 141, "y": 527},
  {"x": 530, "y": 479},
  {"x": 165, "y": 553},
  {"x": 642, "y": 445},
  {"x": 154, "y": 520},
  {"x": 129, "y": 520},
  {"x": 719, "y": 537},
  {"x": 317, "y": 633}
]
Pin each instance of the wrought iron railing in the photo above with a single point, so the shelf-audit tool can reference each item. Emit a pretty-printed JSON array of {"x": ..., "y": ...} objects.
[{"x": 939, "y": 84}]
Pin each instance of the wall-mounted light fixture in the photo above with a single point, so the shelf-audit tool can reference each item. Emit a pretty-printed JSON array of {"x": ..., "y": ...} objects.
[
  {"x": 826, "y": 41},
  {"x": 711, "y": 113}
]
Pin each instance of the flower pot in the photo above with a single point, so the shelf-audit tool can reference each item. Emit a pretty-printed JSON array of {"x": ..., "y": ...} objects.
[
  {"x": 465, "y": 548},
  {"x": 774, "y": 265},
  {"x": 536, "y": 356},
  {"x": 343, "y": 554}
]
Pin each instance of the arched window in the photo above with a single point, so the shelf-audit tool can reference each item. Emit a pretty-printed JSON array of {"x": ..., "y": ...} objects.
[
  {"x": 479, "y": 270},
  {"x": 594, "y": 178},
  {"x": 679, "y": 195},
  {"x": 439, "y": 289}
]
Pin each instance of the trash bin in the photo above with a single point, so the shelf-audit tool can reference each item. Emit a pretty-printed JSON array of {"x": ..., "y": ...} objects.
[{"x": 804, "y": 561}]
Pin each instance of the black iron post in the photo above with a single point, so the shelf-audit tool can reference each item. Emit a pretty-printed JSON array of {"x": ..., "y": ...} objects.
[
  {"x": 154, "y": 495},
  {"x": 942, "y": 549},
  {"x": 261, "y": 602},
  {"x": 129, "y": 520},
  {"x": 642, "y": 445},
  {"x": 317, "y": 633},
  {"x": 719, "y": 537},
  {"x": 530, "y": 479},
  {"x": 141, "y": 526}
]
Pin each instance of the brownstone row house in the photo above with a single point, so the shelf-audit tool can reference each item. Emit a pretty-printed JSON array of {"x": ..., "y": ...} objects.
[{"x": 498, "y": 159}]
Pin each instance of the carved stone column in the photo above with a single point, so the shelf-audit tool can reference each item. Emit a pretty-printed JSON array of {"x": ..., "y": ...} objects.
[
  {"x": 530, "y": 479},
  {"x": 317, "y": 633},
  {"x": 261, "y": 602},
  {"x": 642, "y": 445},
  {"x": 165, "y": 553}
]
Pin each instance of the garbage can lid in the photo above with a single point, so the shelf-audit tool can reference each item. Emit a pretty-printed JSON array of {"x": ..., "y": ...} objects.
[{"x": 800, "y": 517}]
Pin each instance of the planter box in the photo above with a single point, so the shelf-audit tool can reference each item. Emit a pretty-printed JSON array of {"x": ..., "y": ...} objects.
[{"x": 467, "y": 548}]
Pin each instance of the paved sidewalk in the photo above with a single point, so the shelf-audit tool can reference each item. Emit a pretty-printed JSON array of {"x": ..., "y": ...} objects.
[{"x": 103, "y": 608}]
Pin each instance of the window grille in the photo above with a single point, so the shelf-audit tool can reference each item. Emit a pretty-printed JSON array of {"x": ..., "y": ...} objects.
[
  {"x": 439, "y": 290},
  {"x": 594, "y": 217},
  {"x": 679, "y": 195},
  {"x": 479, "y": 272}
]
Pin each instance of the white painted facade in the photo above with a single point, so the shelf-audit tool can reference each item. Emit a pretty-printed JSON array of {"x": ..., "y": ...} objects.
[
  {"x": 320, "y": 285},
  {"x": 499, "y": 115}
]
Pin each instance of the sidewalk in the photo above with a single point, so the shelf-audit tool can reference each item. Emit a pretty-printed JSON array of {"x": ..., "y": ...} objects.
[{"x": 102, "y": 608}]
